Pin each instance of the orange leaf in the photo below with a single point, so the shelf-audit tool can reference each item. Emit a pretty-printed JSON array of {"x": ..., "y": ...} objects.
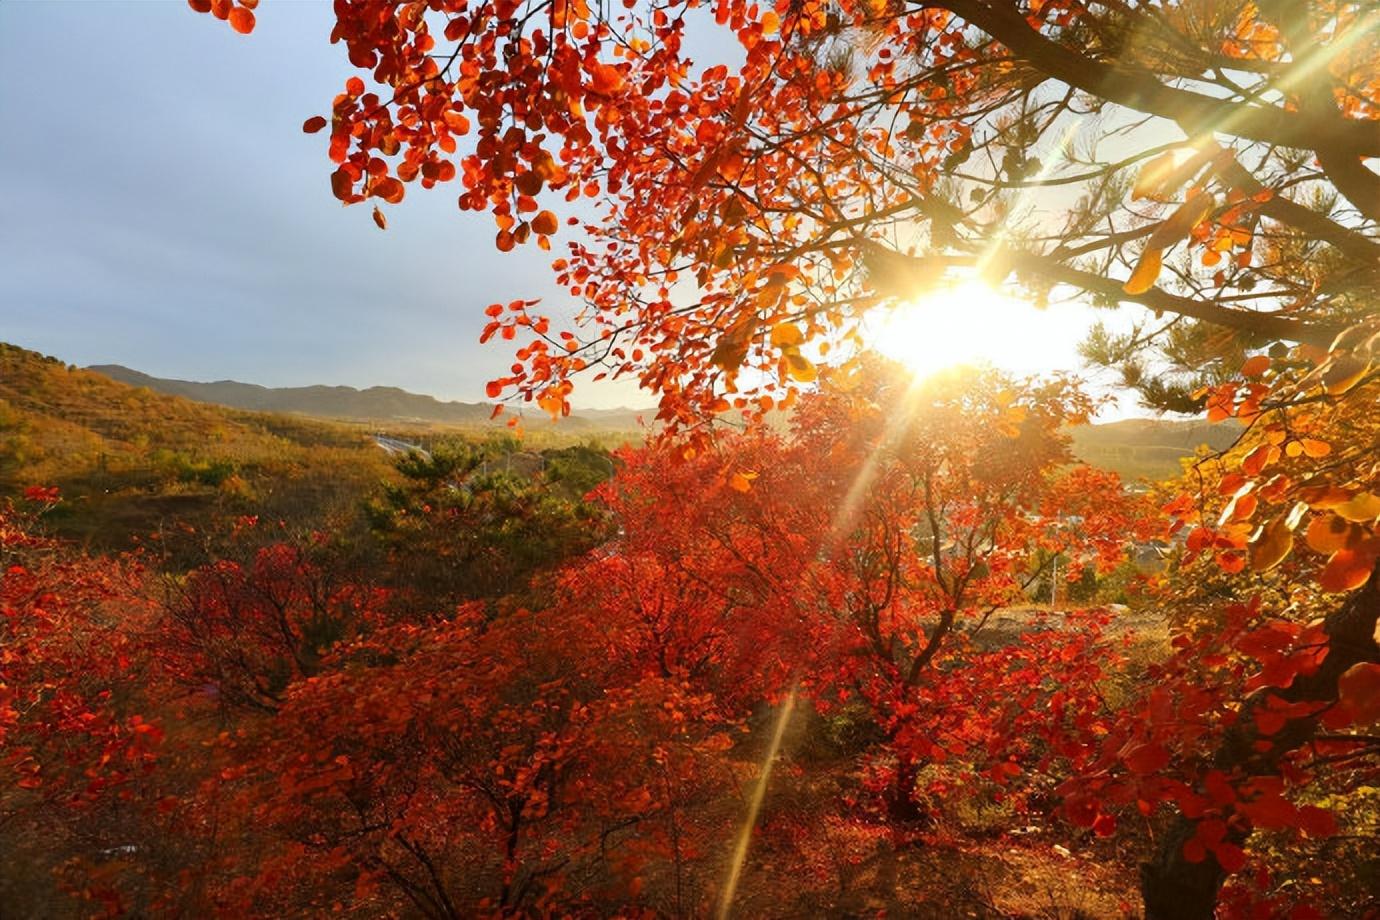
[
  {"x": 456, "y": 122},
  {"x": 741, "y": 481},
  {"x": 1315, "y": 448},
  {"x": 1147, "y": 272},
  {"x": 1255, "y": 366},
  {"x": 544, "y": 223},
  {"x": 605, "y": 79},
  {"x": 241, "y": 20},
  {"x": 342, "y": 184},
  {"x": 1181, "y": 223},
  {"x": 529, "y": 183},
  {"x": 1347, "y": 570},
  {"x": 786, "y": 335},
  {"x": 380, "y": 219},
  {"x": 389, "y": 189},
  {"x": 1328, "y": 534}
]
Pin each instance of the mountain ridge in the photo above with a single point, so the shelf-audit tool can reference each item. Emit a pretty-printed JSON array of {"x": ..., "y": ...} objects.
[
  {"x": 1132, "y": 447},
  {"x": 375, "y": 403}
]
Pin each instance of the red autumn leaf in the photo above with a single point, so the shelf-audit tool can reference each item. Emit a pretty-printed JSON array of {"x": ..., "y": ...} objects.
[
  {"x": 342, "y": 184},
  {"x": 389, "y": 189},
  {"x": 1317, "y": 822},
  {"x": 1146, "y": 758},
  {"x": 605, "y": 79},
  {"x": 1359, "y": 690},
  {"x": 1347, "y": 570},
  {"x": 241, "y": 20},
  {"x": 1230, "y": 857}
]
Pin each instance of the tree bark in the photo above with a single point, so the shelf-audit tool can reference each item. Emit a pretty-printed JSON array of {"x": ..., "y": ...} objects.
[
  {"x": 1172, "y": 888},
  {"x": 901, "y": 806}
]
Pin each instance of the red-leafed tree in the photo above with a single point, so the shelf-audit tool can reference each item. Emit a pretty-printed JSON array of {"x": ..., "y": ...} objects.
[
  {"x": 241, "y": 632},
  {"x": 864, "y": 556},
  {"x": 846, "y": 154},
  {"x": 478, "y": 767},
  {"x": 79, "y": 735},
  {"x": 1267, "y": 707}
]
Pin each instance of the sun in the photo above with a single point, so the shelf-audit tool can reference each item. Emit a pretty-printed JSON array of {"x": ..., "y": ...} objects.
[{"x": 968, "y": 322}]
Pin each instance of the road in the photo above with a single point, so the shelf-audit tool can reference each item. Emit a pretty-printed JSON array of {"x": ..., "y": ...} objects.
[{"x": 394, "y": 446}]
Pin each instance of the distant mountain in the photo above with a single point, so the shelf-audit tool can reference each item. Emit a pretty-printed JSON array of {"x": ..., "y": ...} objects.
[
  {"x": 340, "y": 402},
  {"x": 130, "y": 459},
  {"x": 1133, "y": 447},
  {"x": 1149, "y": 447}
]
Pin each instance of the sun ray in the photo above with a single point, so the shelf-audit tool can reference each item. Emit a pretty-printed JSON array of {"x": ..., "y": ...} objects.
[{"x": 759, "y": 793}]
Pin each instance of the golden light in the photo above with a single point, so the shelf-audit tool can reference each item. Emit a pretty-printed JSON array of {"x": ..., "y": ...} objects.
[{"x": 968, "y": 322}]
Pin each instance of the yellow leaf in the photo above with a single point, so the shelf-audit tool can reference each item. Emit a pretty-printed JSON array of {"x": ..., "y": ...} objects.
[
  {"x": 786, "y": 335},
  {"x": 800, "y": 368},
  {"x": 1363, "y": 507},
  {"x": 1271, "y": 543},
  {"x": 741, "y": 481},
  {"x": 1146, "y": 273}
]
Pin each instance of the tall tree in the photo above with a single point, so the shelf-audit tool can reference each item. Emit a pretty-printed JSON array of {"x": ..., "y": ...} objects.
[{"x": 1204, "y": 159}]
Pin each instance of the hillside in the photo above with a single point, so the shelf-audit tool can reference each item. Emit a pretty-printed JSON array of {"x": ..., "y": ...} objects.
[
  {"x": 388, "y": 404},
  {"x": 1150, "y": 448},
  {"x": 128, "y": 458},
  {"x": 1134, "y": 448}
]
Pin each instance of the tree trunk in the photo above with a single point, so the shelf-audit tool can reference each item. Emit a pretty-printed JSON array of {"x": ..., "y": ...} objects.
[
  {"x": 901, "y": 805},
  {"x": 1173, "y": 888}
]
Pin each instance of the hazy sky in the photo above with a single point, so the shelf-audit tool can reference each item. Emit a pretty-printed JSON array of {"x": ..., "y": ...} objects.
[{"x": 162, "y": 209}]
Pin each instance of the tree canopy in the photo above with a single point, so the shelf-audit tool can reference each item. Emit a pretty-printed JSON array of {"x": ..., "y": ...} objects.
[{"x": 1203, "y": 159}]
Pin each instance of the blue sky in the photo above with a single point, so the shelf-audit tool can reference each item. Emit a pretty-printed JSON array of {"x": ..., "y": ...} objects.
[{"x": 164, "y": 210}]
